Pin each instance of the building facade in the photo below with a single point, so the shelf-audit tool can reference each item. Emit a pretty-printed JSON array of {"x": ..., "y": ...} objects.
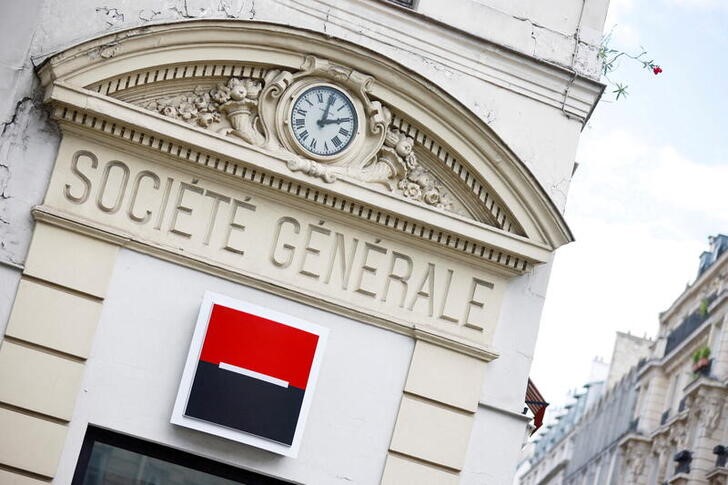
[
  {"x": 280, "y": 242},
  {"x": 681, "y": 416},
  {"x": 596, "y": 457},
  {"x": 582, "y": 446}
]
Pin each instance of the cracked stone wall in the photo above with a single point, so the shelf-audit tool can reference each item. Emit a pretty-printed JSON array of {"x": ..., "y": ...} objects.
[
  {"x": 28, "y": 144},
  {"x": 562, "y": 32}
]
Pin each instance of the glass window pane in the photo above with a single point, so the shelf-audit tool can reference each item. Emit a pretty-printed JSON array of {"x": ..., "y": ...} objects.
[
  {"x": 111, "y": 458},
  {"x": 109, "y": 465}
]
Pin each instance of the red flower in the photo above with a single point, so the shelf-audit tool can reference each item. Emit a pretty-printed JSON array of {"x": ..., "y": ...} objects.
[{"x": 656, "y": 70}]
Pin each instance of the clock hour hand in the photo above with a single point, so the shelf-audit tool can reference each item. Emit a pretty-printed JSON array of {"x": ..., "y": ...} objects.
[{"x": 324, "y": 118}]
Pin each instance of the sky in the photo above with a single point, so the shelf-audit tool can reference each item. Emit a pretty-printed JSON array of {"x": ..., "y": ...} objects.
[{"x": 651, "y": 186}]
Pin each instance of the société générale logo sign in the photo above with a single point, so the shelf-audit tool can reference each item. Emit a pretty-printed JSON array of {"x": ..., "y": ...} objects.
[{"x": 250, "y": 374}]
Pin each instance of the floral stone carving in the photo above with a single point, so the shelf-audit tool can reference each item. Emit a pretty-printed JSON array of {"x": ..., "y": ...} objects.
[
  {"x": 194, "y": 108},
  {"x": 413, "y": 180},
  {"x": 237, "y": 100},
  {"x": 245, "y": 108}
]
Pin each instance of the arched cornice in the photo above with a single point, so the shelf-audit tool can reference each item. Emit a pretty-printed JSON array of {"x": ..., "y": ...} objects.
[{"x": 103, "y": 84}]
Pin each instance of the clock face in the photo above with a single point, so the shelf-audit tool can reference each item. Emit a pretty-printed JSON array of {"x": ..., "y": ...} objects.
[{"x": 323, "y": 120}]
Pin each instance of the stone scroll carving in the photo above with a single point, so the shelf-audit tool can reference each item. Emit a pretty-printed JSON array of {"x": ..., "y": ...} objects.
[
  {"x": 395, "y": 166},
  {"x": 250, "y": 110}
]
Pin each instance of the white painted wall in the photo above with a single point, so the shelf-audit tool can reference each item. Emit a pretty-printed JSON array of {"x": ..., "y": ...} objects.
[
  {"x": 488, "y": 447},
  {"x": 141, "y": 344},
  {"x": 502, "y": 392},
  {"x": 563, "y": 32},
  {"x": 515, "y": 338}
]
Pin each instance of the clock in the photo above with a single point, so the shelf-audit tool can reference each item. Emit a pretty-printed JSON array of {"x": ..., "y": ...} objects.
[{"x": 323, "y": 121}]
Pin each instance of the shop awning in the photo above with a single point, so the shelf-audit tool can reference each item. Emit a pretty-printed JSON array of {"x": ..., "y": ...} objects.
[{"x": 536, "y": 403}]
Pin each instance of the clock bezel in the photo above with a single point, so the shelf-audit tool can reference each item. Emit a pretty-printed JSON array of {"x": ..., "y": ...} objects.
[{"x": 302, "y": 149}]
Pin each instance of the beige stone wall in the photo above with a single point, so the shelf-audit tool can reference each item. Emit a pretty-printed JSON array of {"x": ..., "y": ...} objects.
[
  {"x": 435, "y": 417},
  {"x": 45, "y": 345},
  {"x": 628, "y": 351}
]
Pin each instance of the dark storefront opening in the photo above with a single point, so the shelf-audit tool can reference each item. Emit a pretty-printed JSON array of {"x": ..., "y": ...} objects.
[{"x": 109, "y": 458}]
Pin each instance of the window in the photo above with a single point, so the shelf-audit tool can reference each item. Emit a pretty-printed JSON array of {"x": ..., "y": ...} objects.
[{"x": 109, "y": 458}]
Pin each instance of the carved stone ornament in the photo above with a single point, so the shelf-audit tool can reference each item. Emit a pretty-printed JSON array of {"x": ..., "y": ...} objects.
[
  {"x": 710, "y": 408},
  {"x": 718, "y": 477},
  {"x": 660, "y": 445},
  {"x": 255, "y": 111},
  {"x": 679, "y": 434},
  {"x": 635, "y": 454}
]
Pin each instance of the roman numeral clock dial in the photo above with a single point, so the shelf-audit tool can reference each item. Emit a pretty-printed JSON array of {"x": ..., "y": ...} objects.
[{"x": 323, "y": 121}]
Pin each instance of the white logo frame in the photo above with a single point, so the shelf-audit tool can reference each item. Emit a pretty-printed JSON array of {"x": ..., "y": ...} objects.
[{"x": 178, "y": 413}]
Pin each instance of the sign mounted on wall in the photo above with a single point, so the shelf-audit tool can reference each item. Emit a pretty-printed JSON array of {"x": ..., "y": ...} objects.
[{"x": 250, "y": 374}]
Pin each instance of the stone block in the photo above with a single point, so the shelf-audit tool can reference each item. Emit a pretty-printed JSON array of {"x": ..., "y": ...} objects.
[
  {"x": 71, "y": 260},
  {"x": 29, "y": 443},
  {"x": 432, "y": 433},
  {"x": 445, "y": 376},
  {"x": 53, "y": 318},
  {"x": 38, "y": 381},
  {"x": 401, "y": 471}
]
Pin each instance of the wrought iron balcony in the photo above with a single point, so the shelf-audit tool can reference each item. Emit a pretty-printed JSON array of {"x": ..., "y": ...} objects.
[
  {"x": 687, "y": 327},
  {"x": 683, "y": 459},
  {"x": 721, "y": 453}
]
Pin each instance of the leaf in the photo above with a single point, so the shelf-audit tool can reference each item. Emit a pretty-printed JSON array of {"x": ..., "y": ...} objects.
[{"x": 621, "y": 90}]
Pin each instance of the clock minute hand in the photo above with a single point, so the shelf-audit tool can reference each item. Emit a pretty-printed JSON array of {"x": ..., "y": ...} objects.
[
  {"x": 338, "y": 120},
  {"x": 325, "y": 117}
]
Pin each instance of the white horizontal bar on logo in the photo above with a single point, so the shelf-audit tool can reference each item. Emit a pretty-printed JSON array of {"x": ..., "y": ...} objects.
[{"x": 253, "y": 374}]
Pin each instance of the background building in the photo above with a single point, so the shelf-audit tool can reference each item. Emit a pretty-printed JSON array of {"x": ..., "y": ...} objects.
[
  {"x": 151, "y": 153},
  {"x": 681, "y": 413},
  {"x": 581, "y": 446},
  {"x": 664, "y": 420}
]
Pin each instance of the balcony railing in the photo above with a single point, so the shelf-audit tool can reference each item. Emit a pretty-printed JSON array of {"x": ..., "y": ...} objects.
[
  {"x": 687, "y": 327},
  {"x": 683, "y": 459},
  {"x": 721, "y": 453}
]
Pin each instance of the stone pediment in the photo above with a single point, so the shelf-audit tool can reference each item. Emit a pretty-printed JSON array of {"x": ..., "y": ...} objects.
[
  {"x": 244, "y": 106},
  {"x": 420, "y": 163}
]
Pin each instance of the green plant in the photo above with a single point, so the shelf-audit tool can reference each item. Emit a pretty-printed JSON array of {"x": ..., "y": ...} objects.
[
  {"x": 705, "y": 352},
  {"x": 704, "y": 307},
  {"x": 702, "y": 353},
  {"x": 610, "y": 58}
]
